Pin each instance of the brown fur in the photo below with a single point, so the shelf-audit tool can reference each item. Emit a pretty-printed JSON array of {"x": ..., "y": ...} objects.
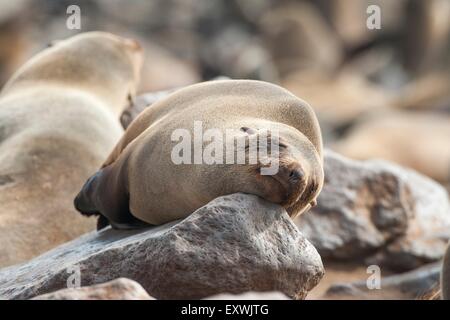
[
  {"x": 139, "y": 180},
  {"x": 58, "y": 121}
]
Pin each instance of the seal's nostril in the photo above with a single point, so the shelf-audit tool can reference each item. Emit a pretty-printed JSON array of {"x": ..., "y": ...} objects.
[{"x": 295, "y": 174}]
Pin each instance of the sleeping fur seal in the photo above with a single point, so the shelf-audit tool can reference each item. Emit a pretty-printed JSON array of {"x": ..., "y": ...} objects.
[
  {"x": 140, "y": 184},
  {"x": 58, "y": 122}
]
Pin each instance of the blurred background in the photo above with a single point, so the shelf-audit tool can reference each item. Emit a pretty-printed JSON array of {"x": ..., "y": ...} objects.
[{"x": 382, "y": 93}]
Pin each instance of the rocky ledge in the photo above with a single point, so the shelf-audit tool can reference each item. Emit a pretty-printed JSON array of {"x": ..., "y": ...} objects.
[{"x": 234, "y": 244}]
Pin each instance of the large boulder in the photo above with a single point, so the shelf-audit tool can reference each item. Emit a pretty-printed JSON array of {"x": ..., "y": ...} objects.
[
  {"x": 118, "y": 289},
  {"x": 233, "y": 244},
  {"x": 380, "y": 212}
]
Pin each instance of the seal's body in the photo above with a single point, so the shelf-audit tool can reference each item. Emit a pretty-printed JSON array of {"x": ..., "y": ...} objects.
[
  {"x": 140, "y": 182},
  {"x": 58, "y": 122}
]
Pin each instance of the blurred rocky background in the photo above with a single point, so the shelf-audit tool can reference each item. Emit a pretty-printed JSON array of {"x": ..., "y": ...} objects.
[
  {"x": 382, "y": 93},
  {"x": 379, "y": 93}
]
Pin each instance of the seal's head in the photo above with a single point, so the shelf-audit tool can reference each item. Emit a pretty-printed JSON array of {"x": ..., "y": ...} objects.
[
  {"x": 100, "y": 62},
  {"x": 283, "y": 173}
]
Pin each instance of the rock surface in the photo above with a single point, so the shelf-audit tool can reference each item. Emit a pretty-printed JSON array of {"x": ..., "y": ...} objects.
[
  {"x": 410, "y": 285},
  {"x": 380, "y": 212},
  {"x": 234, "y": 244},
  {"x": 119, "y": 289}
]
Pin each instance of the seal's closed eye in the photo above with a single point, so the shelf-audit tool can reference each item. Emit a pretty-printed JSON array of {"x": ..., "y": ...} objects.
[{"x": 248, "y": 130}]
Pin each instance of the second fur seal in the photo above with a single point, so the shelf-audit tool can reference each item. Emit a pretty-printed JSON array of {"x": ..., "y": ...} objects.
[
  {"x": 140, "y": 184},
  {"x": 58, "y": 121}
]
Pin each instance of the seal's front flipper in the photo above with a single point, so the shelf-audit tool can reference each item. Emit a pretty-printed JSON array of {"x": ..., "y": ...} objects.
[
  {"x": 83, "y": 201},
  {"x": 105, "y": 195}
]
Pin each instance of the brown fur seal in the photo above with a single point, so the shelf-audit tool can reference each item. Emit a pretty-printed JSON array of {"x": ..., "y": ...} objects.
[
  {"x": 58, "y": 122},
  {"x": 139, "y": 182}
]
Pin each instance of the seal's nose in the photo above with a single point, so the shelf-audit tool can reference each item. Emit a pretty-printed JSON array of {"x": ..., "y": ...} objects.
[
  {"x": 296, "y": 174},
  {"x": 292, "y": 177}
]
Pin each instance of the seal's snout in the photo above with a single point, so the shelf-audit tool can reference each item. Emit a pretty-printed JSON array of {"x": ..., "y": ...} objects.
[
  {"x": 291, "y": 174},
  {"x": 296, "y": 175},
  {"x": 292, "y": 177}
]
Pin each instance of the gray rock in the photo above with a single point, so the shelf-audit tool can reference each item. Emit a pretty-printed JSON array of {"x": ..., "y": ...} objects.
[
  {"x": 234, "y": 244},
  {"x": 410, "y": 285},
  {"x": 380, "y": 212},
  {"x": 119, "y": 289}
]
